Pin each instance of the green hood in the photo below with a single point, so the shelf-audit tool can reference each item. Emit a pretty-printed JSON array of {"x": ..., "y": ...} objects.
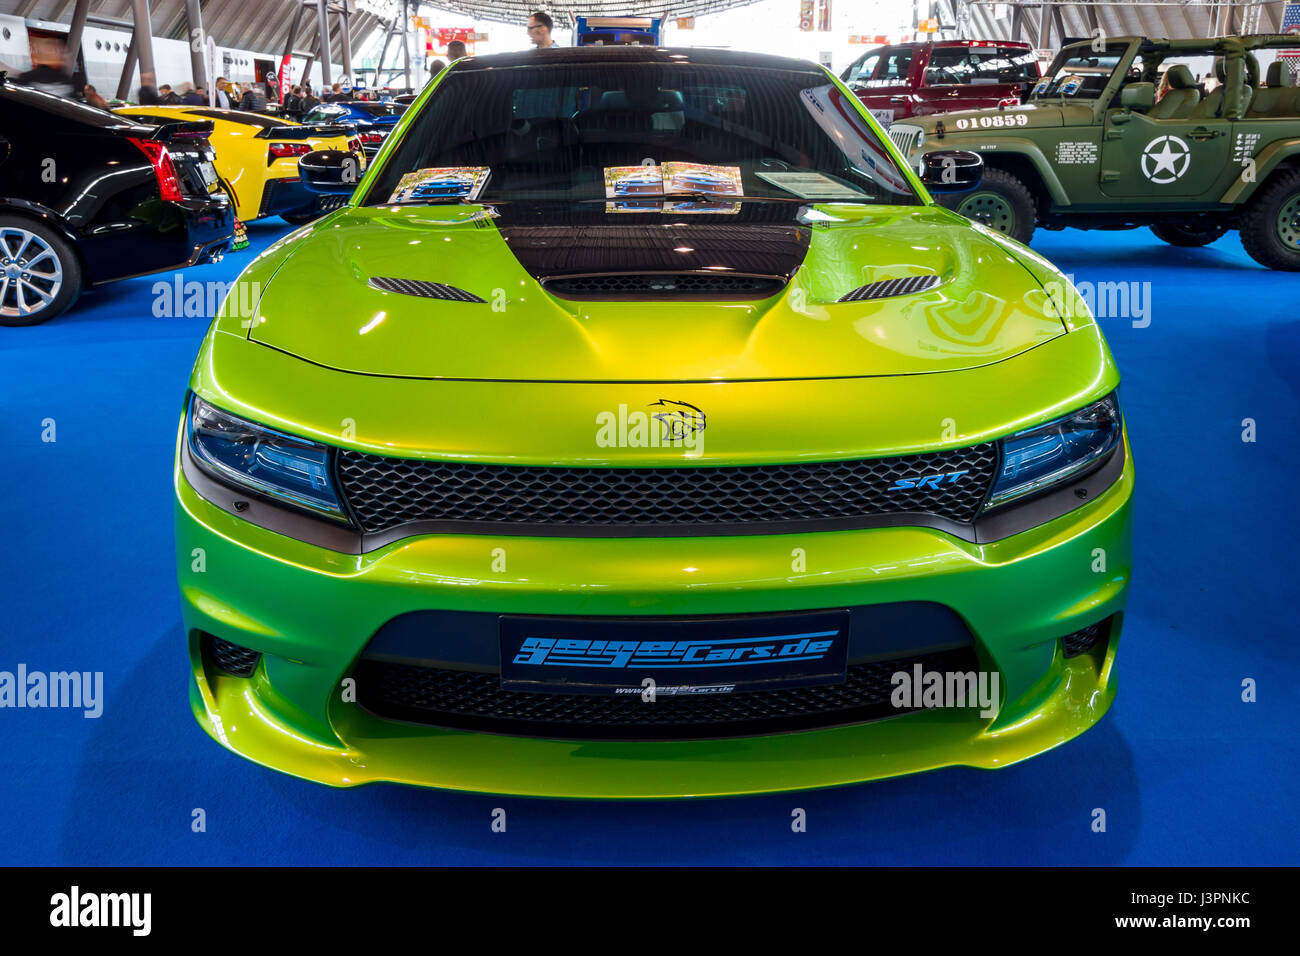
[{"x": 320, "y": 305}]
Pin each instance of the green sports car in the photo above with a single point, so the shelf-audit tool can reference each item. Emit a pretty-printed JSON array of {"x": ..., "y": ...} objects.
[{"x": 528, "y": 491}]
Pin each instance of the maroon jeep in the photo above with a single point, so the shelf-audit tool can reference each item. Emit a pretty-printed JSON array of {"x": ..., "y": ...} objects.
[{"x": 914, "y": 79}]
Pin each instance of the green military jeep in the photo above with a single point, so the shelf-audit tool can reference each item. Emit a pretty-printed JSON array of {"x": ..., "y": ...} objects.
[{"x": 1092, "y": 148}]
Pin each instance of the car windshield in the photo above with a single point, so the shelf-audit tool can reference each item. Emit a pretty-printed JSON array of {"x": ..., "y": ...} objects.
[
  {"x": 604, "y": 130},
  {"x": 1080, "y": 74}
]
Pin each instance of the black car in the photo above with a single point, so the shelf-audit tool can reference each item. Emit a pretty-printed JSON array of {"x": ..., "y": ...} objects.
[{"x": 88, "y": 197}]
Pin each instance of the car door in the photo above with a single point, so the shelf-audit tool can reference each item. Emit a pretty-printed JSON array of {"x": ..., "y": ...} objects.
[{"x": 1164, "y": 159}]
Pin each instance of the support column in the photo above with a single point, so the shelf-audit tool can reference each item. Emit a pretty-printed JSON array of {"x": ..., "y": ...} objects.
[
  {"x": 75, "y": 31},
  {"x": 323, "y": 23},
  {"x": 194, "y": 22},
  {"x": 128, "y": 67},
  {"x": 406, "y": 47},
  {"x": 345, "y": 34},
  {"x": 144, "y": 42}
]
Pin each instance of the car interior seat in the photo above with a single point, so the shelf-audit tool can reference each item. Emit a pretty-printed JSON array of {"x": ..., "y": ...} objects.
[
  {"x": 1278, "y": 96},
  {"x": 1182, "y": 96},
  {"x": 1212, "y": 106}
]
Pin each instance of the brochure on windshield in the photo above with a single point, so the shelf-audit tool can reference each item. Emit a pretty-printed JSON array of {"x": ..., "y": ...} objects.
[
  {"x": 811, "y": 185},
  {"x": 441, "y": 182},
  {"x": 696, "y": 180}
]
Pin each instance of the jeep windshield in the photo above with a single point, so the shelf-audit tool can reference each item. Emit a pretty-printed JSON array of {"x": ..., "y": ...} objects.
[
  {"x": 602, "y": 131},
  {"x": 1081, "y": 73}
]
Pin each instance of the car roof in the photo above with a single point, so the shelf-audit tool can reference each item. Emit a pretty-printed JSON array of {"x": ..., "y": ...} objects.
[{"x": 625, "y": 54}]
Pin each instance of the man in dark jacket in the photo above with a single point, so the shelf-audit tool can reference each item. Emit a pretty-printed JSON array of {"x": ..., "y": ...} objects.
[{"x": 254, "y": 99}]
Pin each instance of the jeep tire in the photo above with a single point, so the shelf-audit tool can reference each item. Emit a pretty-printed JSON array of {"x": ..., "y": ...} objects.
[
  {"x": 1001, "y": 202},
  {"x": 1270, "y": 223},
  {"x": 1189, "y": 237}
]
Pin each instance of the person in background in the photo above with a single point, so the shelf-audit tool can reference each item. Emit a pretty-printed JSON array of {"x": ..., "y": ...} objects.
[
  {"x": 254, "y": 98},
  {"x": 539, "y": 30},
  {"x": 223, "y": 93},
  {"x": 293, "y": 102},
  {"x": 437, "y": 66},
  {"x": 455, "y": 50},
  {"x": 309, "y": 99},
  {"x": 92, "y": 97},
  {"x": 195, "y": 97},
  {"x": 48, "y": 73},
  {"x": 148, "y": 94},
  {"x": 168, "y": 97}
]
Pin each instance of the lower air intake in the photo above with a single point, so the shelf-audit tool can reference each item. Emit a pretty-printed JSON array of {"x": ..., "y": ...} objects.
[
  {"x": 231, "y": 658},
  {"x": 471, "y": 700},
  {"x": 664, "y": 285},
  {"x": 1081, "y": 642}
]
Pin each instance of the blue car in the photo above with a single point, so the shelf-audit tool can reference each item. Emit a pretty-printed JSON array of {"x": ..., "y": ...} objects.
[
  {"x": 640, "y": 184},
  {"x": 373, "y": 120},
  {"x": 452, "y": 185}
]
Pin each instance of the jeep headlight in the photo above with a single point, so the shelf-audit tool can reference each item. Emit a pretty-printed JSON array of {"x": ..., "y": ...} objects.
[
  {"x": 1045, "y": 456},
  {"x": 279, "y": 466}
]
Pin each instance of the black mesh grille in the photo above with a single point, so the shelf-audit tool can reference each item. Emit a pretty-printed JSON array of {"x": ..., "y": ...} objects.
[
  {"x": 1081, "y": 642},
  {"x": 231, "y": 658},
  {"x": 475, "y": 701},
  {"x": 665, "y": 284},
  {"x": 423, "y": 289},
  {"x": 886, "y": 288},
  {"x": 387, "y": 492}
]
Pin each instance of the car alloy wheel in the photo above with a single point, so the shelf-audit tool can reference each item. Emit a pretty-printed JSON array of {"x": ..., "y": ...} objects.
[
  {"x": 992, "y": 210},
  {"x": 1288, "y": 222},
  {"x": 31, "y": 274}
]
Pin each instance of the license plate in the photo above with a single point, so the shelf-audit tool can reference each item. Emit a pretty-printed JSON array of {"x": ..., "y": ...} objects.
[
  {"x": 208, "y": 173},
  {"x": 682, "y": 657}
]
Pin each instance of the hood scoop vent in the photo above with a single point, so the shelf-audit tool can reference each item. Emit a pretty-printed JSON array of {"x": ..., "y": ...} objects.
[
  {"x": 664, "y": 285},
  {"x": 887, "y": 288},
  {"x": 423, "y": 289}
]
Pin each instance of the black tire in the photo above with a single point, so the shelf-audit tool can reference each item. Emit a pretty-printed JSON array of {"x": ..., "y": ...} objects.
[
  {"x": 55, "y": 257},
  {"x": 1001, "y": 202},
  {"x": 1189, "y": 237},
  {"x": 302, "y": 218},
  {"x": 1268, "y": 239}
]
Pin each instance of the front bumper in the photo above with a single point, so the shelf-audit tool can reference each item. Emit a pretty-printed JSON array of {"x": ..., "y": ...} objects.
[{"x": 311, "y": 611}]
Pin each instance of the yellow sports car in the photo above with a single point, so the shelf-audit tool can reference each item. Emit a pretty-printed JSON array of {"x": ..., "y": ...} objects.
[{"x": 257, "y": 158}]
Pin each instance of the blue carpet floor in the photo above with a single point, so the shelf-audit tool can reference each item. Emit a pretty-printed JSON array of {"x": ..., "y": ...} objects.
[{"x": 1187, "y": 772}]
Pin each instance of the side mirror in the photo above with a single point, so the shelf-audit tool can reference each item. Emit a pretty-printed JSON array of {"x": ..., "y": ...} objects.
[
  {"x": 951, "y": 170},
  {"x": 330, "y": 172},
  {"x": 1138, "y": 96}
]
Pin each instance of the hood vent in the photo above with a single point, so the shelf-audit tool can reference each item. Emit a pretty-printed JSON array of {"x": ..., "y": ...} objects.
[
  {"x": 887, "y": 288},
  {"x": 423, "y": 289},
  {"x": 664, "y": 285}
]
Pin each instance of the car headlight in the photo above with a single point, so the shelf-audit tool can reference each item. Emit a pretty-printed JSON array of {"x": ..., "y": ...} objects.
[
  {"x": 1048, "y": 455},
  {"x": 274, "y": 464}
]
